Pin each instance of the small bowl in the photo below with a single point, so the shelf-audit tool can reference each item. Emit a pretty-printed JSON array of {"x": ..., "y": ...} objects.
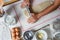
[
  {"x": 10, "y": 20},
  {"x": 45, "y": 36},
  {"x": 56, "y": 36},
  {"x": 56, "y": 25},
  {"x": 28, "y": 35}
]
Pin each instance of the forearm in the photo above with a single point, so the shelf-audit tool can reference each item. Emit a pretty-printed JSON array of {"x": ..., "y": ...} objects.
[{"x": 47, "y": 10}]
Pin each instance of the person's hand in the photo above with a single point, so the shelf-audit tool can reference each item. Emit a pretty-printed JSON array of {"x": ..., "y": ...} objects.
[
  {"x": 25, "y": 3},
  {"x": 33, "y": 18}
]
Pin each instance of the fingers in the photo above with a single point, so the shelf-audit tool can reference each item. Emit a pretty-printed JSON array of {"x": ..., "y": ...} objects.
[
  {"x": 32, "y": 14},
  {"x": 25, "y": 3},
  {"x": 31, "y": 20}
]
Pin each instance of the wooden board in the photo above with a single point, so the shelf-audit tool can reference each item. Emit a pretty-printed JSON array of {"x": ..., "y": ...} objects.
[{"x": 7, "y": 2}]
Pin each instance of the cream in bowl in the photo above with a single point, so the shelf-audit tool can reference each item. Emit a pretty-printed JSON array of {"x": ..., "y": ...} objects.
[{"x": 41, "y": 35}]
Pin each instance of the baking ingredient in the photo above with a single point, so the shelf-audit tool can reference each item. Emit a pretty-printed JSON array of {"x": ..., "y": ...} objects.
[
  {"x": 40, "y": 35},
  {"x": 28, "y": 35},
  {"x": 16, "y": 35},
  {"x": 26, "y": 12},
  {"x": 41, "y": 6}
]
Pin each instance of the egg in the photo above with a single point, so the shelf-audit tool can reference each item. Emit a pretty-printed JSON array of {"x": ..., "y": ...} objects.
[
  {"x": 17, "y": 29},
  {"x": 13, "y": 38},
  {"x": 13, "y": 34},
  {"x": 13, "y": 30},
  {"x": 17, "y": 33},
  {"x": 18, "y": 37}
]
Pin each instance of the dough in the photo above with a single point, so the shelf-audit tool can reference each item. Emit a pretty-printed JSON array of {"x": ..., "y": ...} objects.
[{"x": 41, "y": 6}]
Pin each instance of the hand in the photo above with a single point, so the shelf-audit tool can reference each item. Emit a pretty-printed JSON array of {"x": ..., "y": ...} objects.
[
  {"x": 33, "y": 18},
  {"x": 25, "y": 3}
]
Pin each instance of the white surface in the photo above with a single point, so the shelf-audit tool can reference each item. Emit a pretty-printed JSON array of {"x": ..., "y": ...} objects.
[
  {"x": 26, "y": 12},
  {"x": 4, "y": 32},
  {"x": 15, "y": 9}
]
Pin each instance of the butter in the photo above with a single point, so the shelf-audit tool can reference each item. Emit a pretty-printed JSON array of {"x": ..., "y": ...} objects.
[{"x": 40, "y": 35}]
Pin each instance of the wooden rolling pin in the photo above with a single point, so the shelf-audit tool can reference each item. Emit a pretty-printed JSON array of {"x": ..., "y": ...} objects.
[{"x": 7, "y": 2}]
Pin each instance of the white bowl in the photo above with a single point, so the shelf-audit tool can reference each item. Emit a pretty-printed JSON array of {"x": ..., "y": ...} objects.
[
  {"x": 45, "y": 34},
  {"x": 10, "y": 20},
  {"x": 56, "y": 35}
]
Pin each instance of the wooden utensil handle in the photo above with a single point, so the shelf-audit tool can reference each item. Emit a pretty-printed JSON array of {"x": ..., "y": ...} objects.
[{"x": 10, "y": 2}]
